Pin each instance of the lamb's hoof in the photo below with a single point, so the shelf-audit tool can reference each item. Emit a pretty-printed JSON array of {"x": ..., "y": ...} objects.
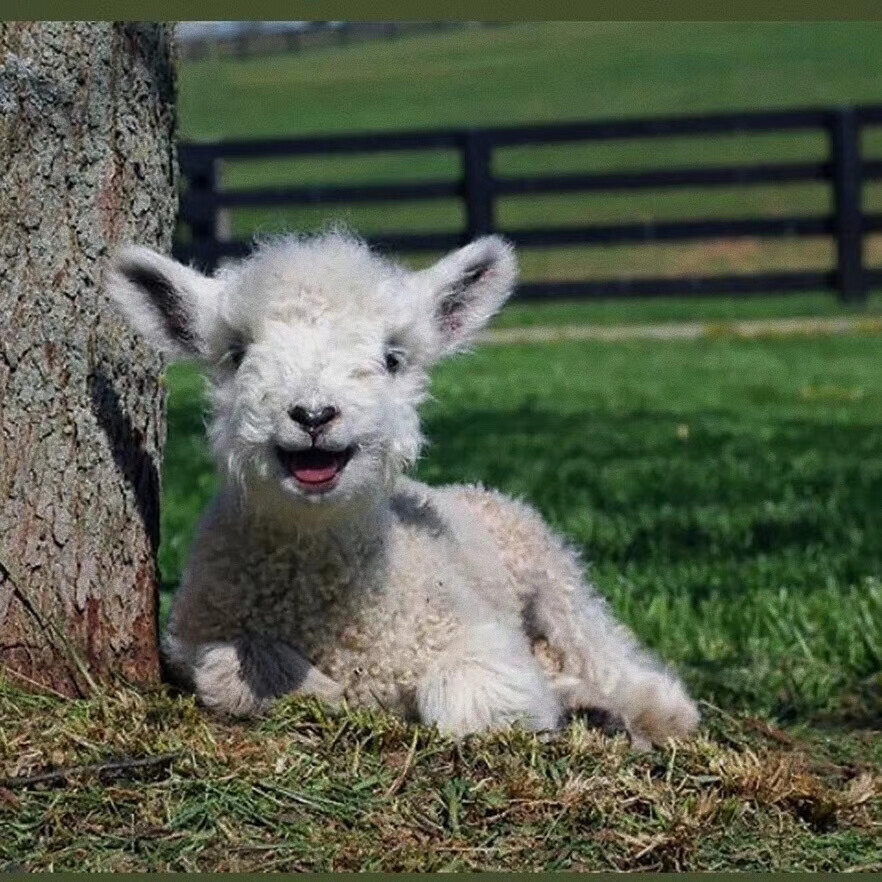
[
  {"x": 659, "y": 708},
  {"x": 606, "y": 721}
]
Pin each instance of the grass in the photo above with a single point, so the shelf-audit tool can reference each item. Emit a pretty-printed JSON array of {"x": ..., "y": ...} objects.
[
  {"x": 534, "y": 72},
  {"x": 312, "y": 790},
  {"x": 680, "y": 309}
]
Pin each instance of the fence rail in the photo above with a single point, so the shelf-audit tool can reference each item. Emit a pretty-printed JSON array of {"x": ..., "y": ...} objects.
[{"x": 478, "y": 187}]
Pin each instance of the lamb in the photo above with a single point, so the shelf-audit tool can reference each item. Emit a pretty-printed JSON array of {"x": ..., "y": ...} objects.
[{"x": 320, "y": 567}]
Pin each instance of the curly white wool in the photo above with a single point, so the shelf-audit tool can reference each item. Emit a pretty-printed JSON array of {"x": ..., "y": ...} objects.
[{"x": 455, "y": 605}]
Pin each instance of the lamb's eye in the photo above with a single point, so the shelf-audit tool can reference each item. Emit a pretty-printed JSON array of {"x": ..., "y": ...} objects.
[
  {"x": 394, "y": 360},
  {"x": 236, "y": 353}
]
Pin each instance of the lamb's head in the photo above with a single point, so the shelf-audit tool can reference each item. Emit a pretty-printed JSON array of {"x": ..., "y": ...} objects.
[{"x": 317, "y": 352}]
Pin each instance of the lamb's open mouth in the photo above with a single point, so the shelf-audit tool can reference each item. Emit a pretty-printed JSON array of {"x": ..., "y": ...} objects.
[{"x": 315, "y": 468}]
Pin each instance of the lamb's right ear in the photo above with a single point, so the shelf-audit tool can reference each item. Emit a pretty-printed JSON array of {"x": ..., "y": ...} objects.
[{"x": 172, "y": 305}]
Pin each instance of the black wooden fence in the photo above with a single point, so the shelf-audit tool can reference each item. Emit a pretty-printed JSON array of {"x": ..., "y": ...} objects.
[{"x": 844, "y": 170}]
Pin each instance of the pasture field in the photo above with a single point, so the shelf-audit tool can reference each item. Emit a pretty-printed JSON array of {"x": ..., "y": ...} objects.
[
  {"x": 546, "y": 72},
  {"x": 533, "y": 72}
]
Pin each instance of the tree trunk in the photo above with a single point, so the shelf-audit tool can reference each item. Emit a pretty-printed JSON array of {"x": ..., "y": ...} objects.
[{"x": 86, "y": 163}]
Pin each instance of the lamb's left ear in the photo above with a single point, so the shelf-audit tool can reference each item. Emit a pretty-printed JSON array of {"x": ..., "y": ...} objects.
[
  {"x": 468, "y": 287},
  {"x": 172, "y": 305}
]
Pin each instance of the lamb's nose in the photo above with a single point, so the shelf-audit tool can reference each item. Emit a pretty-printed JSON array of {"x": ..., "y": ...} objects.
[{"x": 312, "y": 420}]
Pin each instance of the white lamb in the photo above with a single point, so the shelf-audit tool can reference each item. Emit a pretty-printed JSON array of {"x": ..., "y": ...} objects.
[{"x": 319, "y": 568}]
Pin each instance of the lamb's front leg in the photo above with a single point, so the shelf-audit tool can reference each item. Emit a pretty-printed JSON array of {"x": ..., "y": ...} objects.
[
  {"x": 487, "y": 679},
  {"x": 245, "y": 675}
]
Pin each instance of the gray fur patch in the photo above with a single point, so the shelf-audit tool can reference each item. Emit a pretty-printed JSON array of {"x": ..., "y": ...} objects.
[
  {"x": 459, "y": 296},
  {"x": 418, "y": 512},
  {"x": 270, "y": 668},
  {"x": 166, "y": 301}
]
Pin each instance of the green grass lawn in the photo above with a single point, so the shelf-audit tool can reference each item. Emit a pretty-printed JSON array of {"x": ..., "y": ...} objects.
[
  {"x": 631, "y": 311},
  {"x": 533, "y": 72}
]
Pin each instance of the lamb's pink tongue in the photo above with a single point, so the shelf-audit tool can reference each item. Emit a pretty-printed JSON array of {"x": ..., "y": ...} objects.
[{"x": 316, "y": 475}]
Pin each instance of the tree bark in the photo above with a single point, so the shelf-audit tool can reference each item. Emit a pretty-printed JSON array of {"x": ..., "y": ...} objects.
[{"x": 86, "y": 163}]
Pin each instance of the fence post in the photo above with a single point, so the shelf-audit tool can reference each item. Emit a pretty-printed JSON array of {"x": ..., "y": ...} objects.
[
  {"x": 202, "y": 217},
  {"x": 848, "y": 219},
  {"x": 478, "y": 184}
]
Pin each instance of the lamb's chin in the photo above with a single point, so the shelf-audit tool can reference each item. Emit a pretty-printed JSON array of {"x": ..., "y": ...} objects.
[{"x": 326, "y": 496}]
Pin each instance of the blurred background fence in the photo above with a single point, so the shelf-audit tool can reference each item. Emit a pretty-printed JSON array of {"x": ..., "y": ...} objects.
[
  {"x": 206, "y": 234},
  {"x": 245, "y": 39}
]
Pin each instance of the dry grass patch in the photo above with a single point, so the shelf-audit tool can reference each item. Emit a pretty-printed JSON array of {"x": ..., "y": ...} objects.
[{"x": 311, "y": 789}]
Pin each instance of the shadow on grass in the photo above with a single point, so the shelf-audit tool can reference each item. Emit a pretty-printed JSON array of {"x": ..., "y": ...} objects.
[{"x": 674, "y": 486}]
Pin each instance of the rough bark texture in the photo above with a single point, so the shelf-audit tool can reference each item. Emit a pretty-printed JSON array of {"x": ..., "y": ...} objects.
[{"x": 86, "y": 162}]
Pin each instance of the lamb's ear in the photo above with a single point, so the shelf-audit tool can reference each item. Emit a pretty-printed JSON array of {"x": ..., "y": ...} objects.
[
  {"x": 172, "y": 305},
  {"x": 468, "y": 286}
]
